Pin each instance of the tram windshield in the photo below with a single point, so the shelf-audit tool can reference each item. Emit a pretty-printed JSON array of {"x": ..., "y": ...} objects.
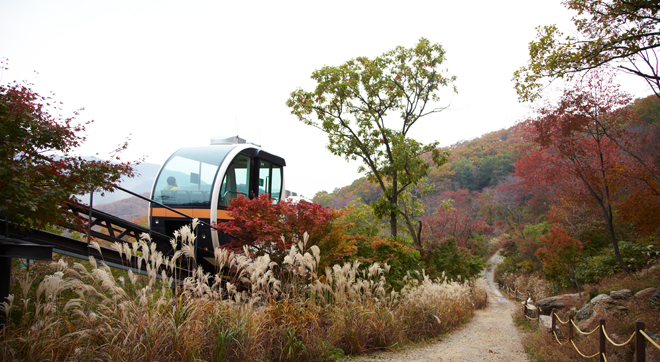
[{"x": 188, "y": 176}]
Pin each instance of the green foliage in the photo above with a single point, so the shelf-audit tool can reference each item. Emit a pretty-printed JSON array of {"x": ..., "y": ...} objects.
[
  {"x": 362, "y": 228},
  {"x": 536, "y": 230},
  {"x": 454, "y": 262},
  {"x": 323, "y": 198},
  {"x": 359, "y": 219},
  {"x": 38, "y": 174},
  {"x": 493, "y": 169},
  {"x": 464, "y": 171},
  {"x": 402, "y": 259},
  {"x": 596, "y": 267},
  {"x": 648, "y": 110},
  {"x": 491, "y": 156},
  {"x": 615, "y": 32},
  {"x": 351, "y": 103}
]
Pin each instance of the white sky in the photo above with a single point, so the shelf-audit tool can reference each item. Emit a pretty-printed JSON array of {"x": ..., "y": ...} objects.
[{"x": 175, "y": 73}]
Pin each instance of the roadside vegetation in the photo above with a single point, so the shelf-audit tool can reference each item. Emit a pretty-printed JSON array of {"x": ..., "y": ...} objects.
[{"x": 258, "y": 310}]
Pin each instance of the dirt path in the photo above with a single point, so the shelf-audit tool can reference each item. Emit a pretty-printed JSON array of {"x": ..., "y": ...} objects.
[{"x": 490, "y": 336}]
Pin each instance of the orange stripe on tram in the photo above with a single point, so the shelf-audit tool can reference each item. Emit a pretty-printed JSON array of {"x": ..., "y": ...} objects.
[{"x": 198, "y": 213}]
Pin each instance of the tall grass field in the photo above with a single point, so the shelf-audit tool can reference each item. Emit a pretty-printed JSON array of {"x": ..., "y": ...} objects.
[{"x": 251, "y": 310}]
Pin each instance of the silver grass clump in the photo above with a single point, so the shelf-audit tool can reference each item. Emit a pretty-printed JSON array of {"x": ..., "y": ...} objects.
[{"x": 110, "y": 317}]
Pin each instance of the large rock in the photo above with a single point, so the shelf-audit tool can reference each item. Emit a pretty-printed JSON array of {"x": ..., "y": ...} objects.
[
  {"x": 559, "y": 302},
  {"x": 623, "y": 294},
  {"x": 645, "y": 294},
  {"x": 598, "y": 307},
  {"x": 652, "y": 295},
  {"x": 548, "y": 304},
  {"x": 655, "y": 300}
]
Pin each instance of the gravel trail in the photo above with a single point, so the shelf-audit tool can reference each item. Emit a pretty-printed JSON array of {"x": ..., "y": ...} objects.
[{"x": 489, "y": 336}]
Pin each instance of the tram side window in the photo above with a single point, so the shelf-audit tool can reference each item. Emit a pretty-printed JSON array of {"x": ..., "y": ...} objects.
[
  {"x": 276, "y": 183},
  {"x": 236, "y": 180},
  {"x": 270, "y": 180}
]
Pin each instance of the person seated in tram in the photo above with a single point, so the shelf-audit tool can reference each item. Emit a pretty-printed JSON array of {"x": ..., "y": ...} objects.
[{"x": 171, "y": 184}]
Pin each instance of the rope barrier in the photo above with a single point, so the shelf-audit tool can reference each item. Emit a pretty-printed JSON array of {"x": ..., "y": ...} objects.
[
  {"x": 584, "y": 333},
  {"x": 616, "y": 344},
  {"x": 557, "y": 338},
  {"x": 582, "y": 354},
  {"x": 649, "y": 338},
  {"x": 558, "y": 319},
  {"x": 604, "y": 357}
]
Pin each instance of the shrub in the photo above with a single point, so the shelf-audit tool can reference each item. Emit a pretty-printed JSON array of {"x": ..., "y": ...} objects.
[
  {"x": 451, "y": 261},
  {"x": 267, "y": 228},
  {"x": 635, "y": 256}
]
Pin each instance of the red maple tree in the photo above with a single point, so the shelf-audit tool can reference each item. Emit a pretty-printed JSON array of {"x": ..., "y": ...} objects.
[
  {"x": 583, "y": 146},
  {"x": 38, "y": 173},
  {"x": 272, "y": 228}
]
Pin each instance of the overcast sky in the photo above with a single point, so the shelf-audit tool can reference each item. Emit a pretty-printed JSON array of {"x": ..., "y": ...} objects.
[{"x": 175, "y": 73}]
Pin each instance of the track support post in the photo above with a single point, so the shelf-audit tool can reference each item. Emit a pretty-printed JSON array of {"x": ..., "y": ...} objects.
[{"x": 5, "y": 280}]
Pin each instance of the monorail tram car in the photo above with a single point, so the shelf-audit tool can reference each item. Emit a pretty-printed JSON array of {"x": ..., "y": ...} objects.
[{"x": 202, "y": 181}]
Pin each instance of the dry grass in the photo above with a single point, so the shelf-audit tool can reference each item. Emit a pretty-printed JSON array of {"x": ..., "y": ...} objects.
[
  {"x": 262, "y": 311},
  {"x": 528, "y": 285}
]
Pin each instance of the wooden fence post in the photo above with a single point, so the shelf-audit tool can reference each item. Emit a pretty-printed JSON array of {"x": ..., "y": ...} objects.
[
  {"x": 570, "y": 327},
  {"x": 552, "y": 329},
  {"x": 640, "y": 342},
  {"x": 601, "y": 348}
]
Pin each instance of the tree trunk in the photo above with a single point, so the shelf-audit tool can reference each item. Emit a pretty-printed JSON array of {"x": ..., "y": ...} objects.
[
  {"x": 609, "y": 224},
  {"x": 393, "y": 223},
  {"x": 394, "y": 201},
  {"x": 615, "y": 244}
]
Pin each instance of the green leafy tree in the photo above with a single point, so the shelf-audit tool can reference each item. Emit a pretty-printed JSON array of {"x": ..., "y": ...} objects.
[
  {"x": 617, "y": 32},
  {"x": 493, "y": 169},
  {"x": 363, "y": 228},
  {"x": 38, "y": 174},
  {"x": 464, "y": 170},
  {"x": 354, "y": 102},
  {"x": 411, "y": 207}
]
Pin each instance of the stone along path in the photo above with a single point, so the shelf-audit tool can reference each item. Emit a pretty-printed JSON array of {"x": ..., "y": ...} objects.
[{"x": 489, "y": 336}]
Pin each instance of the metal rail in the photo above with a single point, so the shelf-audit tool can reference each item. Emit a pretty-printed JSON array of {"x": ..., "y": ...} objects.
[
  {"x": 50, "y": 242},
  {"x": 27, "y": 243}
]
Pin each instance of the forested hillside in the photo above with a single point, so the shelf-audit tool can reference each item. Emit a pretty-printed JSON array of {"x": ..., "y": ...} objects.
[
  {"x": 480, "y": 165},
  {"x": 473, "y": 165}
]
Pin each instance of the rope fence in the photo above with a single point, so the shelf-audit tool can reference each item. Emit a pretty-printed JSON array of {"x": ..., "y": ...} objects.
[
  {"x": 514, "y": 291},
  {"x": 639, "y": 336}
]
